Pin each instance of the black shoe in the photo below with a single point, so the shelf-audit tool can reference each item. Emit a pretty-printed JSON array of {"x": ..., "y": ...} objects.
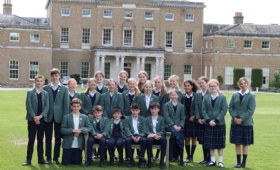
[
  {"x": 41, "y": 161},
  {"x": 131, "y": 164},
  {"x": 188, "y": 160},
  {"x": 237, "y": 165},
  {"x": 174, "y": 160},
  {"x": 211, "y": 163},
  {"x": 242, "y": 165},
  {"x": 102, "y": 164},
  {"x": 182, "y": 163},
  {"x": 48, "y": 161},
  {"x": 161, "y": 165},
  {"x": 149, "y": 165},
  {"x": 203, "y": 162},
  {"x": 121, "y": 163},
  {"x": 56, "y": 162},
  {"x": 87, "y": 163},
  {"x": 27, "y": 162},
  {"x": 111, "y": 163}
]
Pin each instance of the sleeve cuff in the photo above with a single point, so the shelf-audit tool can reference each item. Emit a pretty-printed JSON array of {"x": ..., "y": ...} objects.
[{"x": 216, "y": 121}]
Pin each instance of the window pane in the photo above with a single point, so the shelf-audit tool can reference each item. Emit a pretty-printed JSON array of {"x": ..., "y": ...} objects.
[
  {"x": 189, "y": 39},
  {"x": 64, "y": 68},
  {"x": 149, "y": 15},
  {"x": 167, "y": 71},
  {"x": 148, "y": 41},
  {"x": 107, "y": 70},
  {"x": 230, "y": 44},
  {"x": 189, "y": 17},
  {"x": 107, "y": 37},
  {"x": 86, "y": 36},
  {"x": 248, "y": 44},
  {"x": 65, "y": 12},
  {"x": 34, "y": 37},
  {"x": 127, "y": 37},
  {"x": 14, "y": 36},
  {"x": 33, "y": 69},
  {"x": 148, "y": 70},
  {"x": 128, "y": 14},
  {"x": 265, "y": 44},
  {"x": 168, "y": 39},
  {"x": 14, "y": 69},
  {"x": 169, "y": 16},
  {"x": 107, "y": 14},
  {"x": 64, "y": 35},
  {"x": 85, "y": 70},
  {"x": 86, "y": 13}
]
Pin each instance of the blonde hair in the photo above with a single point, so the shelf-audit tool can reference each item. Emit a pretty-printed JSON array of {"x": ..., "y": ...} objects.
[
  {"x": 137, "y": 91},
  {"x": 163, "y": 91},
  {"x": 246, "y": 81},
  {"x": 147, "y": 83},
  {"x": 216, "y": 82},
  {"x": 123, "y": 72},
  {"x": 139, "y": 83},
  {"x": 72, "y": 79},
  {"x": 88, "y": 82},
  {"x": 176, "y": 78},
  {"x": 99, "y": 72}
]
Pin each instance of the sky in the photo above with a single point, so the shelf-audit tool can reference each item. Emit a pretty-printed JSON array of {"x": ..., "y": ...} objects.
[{"x": 216, "y": 12}]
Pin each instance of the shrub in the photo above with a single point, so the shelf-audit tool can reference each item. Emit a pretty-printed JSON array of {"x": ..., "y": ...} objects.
[
  {"x": 237, "y": 74},
  {"x": 257, "y": 78},
  {"x": 76, "y": 77},
  {"x": 276, "y": 81}
]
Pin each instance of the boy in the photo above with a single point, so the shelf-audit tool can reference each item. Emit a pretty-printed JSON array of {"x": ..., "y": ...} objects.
[
  {"x": 156, "y": 134},
  {"x": 135, "y": 132},
  {"x": 37, "y": 107},
  {"x": 116, "y": 134},
  {"x": 72, "y": 128},
  {"x": 98, "y": 135},
  {"x": 59, "y": 106}
]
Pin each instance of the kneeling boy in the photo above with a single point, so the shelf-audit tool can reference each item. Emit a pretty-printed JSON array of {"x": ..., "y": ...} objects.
[{"x": 72, "y": 128}]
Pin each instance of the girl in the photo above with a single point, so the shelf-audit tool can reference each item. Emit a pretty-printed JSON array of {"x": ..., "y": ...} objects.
[
  {"x": 214, "y": 109},
  {"x": 201, "y": 127},
  {"x": 142, "y": 79},
  {"x": 189, "y": 101},
  {"x": 130, "y": 96},
  {"x": 173, "y": 84},
  {"x": 72, "y": 84},
  {"x": 146, "y": 99},
  {"x": 101, "y": 88},
  {"x": 90, "y": 98},
  {"x": 122, "y": 81},
  {"x": 174, "y": 122},
  {"x": 241, "y": 108}
]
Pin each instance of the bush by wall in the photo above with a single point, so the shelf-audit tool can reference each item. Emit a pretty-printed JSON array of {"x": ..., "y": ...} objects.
[
  {"x": 257, "y": 78},
  {"x": 237, "y": 74}
]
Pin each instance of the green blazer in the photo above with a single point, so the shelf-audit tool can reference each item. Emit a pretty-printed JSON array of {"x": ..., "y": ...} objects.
[
  {"x": 162, "y": 100},
  {"x": 171, "y": 118},
  {"x": 104, "y": 89},
  {"x": 32, "y": 104},
  {"x": 217, "y": 112},
  {"x": 141, "y": 124},
  {"x": 243, "y": 110},
  {"x": 87, "y": 106},
  {"x": 108, "y": 107},
  {"x": 125, "y": 88},
  {"x": 76, "y": 95},
  {"x": 110, "y": 125},
  {"x": 167, "y": 98},
  {"x": 160, "y": 126},
  {"x": 67, "y": 127},
  {"x": 126, "y": 103},
  {"x": 60, "y": 106},
  {"x": 193, "y": 105},
  {"x": 199, "y": 99},
  {"x": 103, "y": 123},
  {"x": 144, "y": 111}
]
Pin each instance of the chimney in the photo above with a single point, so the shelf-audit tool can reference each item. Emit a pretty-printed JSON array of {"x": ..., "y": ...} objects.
[
  {"x": 7, "y": 7},
  {"x": 238, "y": 18}
]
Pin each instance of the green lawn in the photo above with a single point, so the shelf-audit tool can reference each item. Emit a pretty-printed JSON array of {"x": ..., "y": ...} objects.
[{"x": 264, "y": 154}]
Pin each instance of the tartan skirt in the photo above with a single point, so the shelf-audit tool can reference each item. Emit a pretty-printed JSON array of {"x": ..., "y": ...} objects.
[
  {"x": 200, "y": 133},
  {"x": 241, "y": 135},
  {"x": 215, "y": 137},
  {"x": 190, "y": 129}
]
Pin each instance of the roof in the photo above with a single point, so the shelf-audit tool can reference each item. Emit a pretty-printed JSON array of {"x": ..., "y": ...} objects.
[{"x": 243, "y": 30}]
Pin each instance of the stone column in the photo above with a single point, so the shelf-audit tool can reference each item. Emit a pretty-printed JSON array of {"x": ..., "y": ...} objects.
[
  {"x": 143, "y": 63},
  {"x": 117, "y": 67},
  {"x": 122, "y": 62},
  {"x": 137, "y": 64},
  {"x": 96, "y": 63},
  {"x": 157, "y": 66},
  {"x": 161, "y": 66},
  {"x": 102, "y": 66}
]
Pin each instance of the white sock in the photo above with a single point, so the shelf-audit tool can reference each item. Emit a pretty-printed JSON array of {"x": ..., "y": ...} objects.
[
  {"x": 213, "y": 159},
  {"x": 220, "y": 158}
]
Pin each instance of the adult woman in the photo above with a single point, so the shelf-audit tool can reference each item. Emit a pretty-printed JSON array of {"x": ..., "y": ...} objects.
[{"x": 241, "y": 108}]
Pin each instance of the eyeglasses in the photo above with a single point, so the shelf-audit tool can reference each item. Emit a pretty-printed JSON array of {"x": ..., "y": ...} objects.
[{"x": 213, "y": 86}]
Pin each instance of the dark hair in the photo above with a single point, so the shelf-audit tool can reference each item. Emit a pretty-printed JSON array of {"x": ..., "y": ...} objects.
[
  {"x": 55, "y": 71},
  {"x": 76, "y": 101},
  {"x": 97, "y": 108},
  {"x": 135, "y": 106},
  {"x": 117, "y": 110},
  {"x": 155, "y": 105},
  {"x": 193, "y": 84}
]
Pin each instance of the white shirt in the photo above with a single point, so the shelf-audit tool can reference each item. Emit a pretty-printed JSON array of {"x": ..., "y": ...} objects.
[
  {"x": 117, "y": 121},
  {"x": 214, "y": 97},
  {"x": 76, "y": 120},
  {"x": 156, "y": 90},
  {"x": 203, "y": 93},
  {"x": 111, "y": 94},
  {"x": 91, "y": 93},
  {"x": 246, "y": 92},
  {"x": 135, "y": 125},
  {"x": 72, "y": 95},
  {"x": 174, "y": 104},
  {"x": 38, "y": 92},
  {"x": 148, "y": 99},
  {"x": 188, "y": 96},
  {"x": 97, "y": 120},
  {"x": 154, "y": 121},
  {"x": 133, "y": 93},
  {"x": 55, "y": 87},
  {"x": 100, "y": 86}
]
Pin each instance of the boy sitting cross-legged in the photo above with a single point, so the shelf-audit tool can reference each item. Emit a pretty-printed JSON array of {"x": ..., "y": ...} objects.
[
  {"x": 115, "y": 129},
  {"x": 135, "y": 132},
  {"x": 156, "y": 134},
  {"x": 98, "y": 135}
]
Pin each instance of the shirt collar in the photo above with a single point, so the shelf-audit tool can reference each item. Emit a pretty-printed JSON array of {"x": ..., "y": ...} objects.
[
  {"x": 92, "y": 93},
  {"x": 133, "y": 93},
  {"x": 38, "y": 91},
  {"x": 174, "y": 104},
  {"x": 188, "y": 96},
  {"x": 246, "y": 92},
  {"x": 52, "y": 85},
  {"x": 214, "y": 97}
]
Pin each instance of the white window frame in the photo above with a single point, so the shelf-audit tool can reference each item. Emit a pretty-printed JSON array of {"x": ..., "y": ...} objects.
[
  {"x": 65, "y": 12},
  {"x": 147, "y": 17},
  {"x": 107, "y": 70},
  {"x": 167, "y": 71},
  {"x": 84, "y": 69},
  {"x": 33, "y": 66},
  {"x": 128, "y": 15},
  {"x": 167, "y": 34},
  {"x": 14, "y": 36},
  {"x": 189, "y": 40},
  {"x": 189, "y": 17},
  {"x": 248, "y": 73},
  {"x": 65, "y": 70},
  {"x": 248, "y": 44},
  {"x": 64, "y": 35},
  {"x": 15, "y": 67},
  {"x": 265, "y": 45},
  {"x": 265, "y": 77},
  {"x": 124, "y": 38},
  {"x": 169, "y": 16},
  {"x": 111, "y": 37},
  {"x": 107, "y": 13},
  {"x": 85, "y": 36},
  {"x": 152, "y": 38},
  {"x": 230, "y": 43},
  {"x": 86, "y": 13},
  {"x": 34, "y": 39},
  {"x": 188, "y": 72},
  {"x": 229, "y": 75},
  {"x": 148, "y": 69}
]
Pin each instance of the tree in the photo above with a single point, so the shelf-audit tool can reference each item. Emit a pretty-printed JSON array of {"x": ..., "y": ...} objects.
[
  {"x": 276, "y": 81},
  {"x": 257, "y": 78}
]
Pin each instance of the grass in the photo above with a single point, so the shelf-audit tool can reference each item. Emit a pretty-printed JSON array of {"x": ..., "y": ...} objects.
[{"x": 262, "y": 155}]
